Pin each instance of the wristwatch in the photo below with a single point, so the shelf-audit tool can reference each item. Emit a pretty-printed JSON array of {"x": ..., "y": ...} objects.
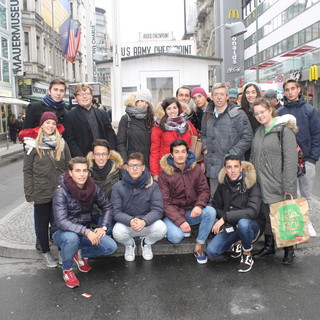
[{"x": 105, "y": 228}]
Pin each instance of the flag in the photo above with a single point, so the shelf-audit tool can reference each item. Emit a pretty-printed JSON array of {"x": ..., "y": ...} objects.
[
  {"x": 74, "y": 40},
  {"x": 64, "y": 30}
]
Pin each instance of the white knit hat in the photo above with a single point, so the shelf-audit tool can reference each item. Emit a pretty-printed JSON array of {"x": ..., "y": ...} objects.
[{"x": 143, "y": 95}]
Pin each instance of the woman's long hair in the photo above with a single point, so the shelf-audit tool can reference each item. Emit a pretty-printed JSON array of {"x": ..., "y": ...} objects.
[
  {"x": 149, "y": 118},
  {"x": 58, "y": 150},
  {"x": 166, "y": 103},
  {"x": 244, "y": 101}
]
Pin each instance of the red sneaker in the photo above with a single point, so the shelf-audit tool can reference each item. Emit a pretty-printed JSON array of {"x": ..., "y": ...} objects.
[
  {"x": 82, "y": 263},
  {"x": 70, "y": 279}
]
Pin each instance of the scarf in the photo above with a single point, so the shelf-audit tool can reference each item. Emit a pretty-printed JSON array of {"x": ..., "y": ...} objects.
[
  {"x": 237, "y": 185},
  {"x": 139, "y": 183},
  {"x": 178, "y": 124},
  {"x": 102, "y": 173},
  {"x": 49, "y": 142},
  {"x": 47, "y": 100},
  {"x": 138, "y": 113},
  {"x": 84, "y": 195}
]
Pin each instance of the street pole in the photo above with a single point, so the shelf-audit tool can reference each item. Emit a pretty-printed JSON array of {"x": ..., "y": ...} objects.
[
  {"x": 53, "y": 41},
  {"x": 116, "y": 78},
  {"x": 257, "y": 48}
]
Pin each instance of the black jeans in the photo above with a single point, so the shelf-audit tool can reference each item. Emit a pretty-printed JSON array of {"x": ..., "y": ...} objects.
[{"x": 43, "y": 212}]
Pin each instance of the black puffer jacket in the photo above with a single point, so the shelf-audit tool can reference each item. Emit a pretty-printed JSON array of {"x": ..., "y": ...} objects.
[
  {"x": 233, "y": 206},
  {"x": 69, "y": 215}
]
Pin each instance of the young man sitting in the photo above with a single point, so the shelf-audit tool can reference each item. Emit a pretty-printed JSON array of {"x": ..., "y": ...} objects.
[
  {"x": 185, "y": 194},
  {"x": 72, "y": 210},
  {"x": 138, "y": 209},
  {"x": 237, "y": 202}
]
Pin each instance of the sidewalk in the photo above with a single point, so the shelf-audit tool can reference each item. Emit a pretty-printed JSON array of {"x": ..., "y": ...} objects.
[
  {"x": 17, "y": 239},
  {"x": 11, "y": 154}
]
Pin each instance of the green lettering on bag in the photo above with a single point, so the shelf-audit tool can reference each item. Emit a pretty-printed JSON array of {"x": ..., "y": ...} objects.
[{"x": 291, "y": 222}]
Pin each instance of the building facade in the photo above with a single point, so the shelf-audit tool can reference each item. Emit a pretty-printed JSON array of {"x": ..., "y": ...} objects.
[
  {"x": 31, "y": 50},
  {"x": 282, "y": 41}
]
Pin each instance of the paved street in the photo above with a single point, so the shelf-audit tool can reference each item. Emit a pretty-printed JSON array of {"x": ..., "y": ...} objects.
[{"x": 169, "y": 287}]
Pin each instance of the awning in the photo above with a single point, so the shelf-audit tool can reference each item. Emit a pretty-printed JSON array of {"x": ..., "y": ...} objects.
[{"x": 13, "y": 101}]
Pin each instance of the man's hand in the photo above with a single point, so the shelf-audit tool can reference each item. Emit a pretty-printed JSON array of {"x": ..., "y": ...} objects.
[
  {"x": 203, "y": 167},
  {"x": 99, "y": 232},
  {"x": 196, "y": 212},
  {"x": 216, "y": 227},
  {"x": 93, "y": 237},
  {"x": 185, "y": 227},
  {"x": 137, "y": 224}
]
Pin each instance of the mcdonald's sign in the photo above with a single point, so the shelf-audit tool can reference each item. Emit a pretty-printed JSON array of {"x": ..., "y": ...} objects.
[
  {"x": 233, "y": 14},
  {"x": 313, "y": 73}
]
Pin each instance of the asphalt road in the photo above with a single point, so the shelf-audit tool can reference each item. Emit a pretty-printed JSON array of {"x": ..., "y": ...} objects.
[
  {"x": 11, "y": 187},
  {"x": 168, "y": 287}
]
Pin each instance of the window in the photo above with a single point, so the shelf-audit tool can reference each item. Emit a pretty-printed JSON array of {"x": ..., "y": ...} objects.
[
  {"x": 26, "y": 56},
  {"x": 3, "y": 16},
  {"x": 4, "y": 60}
]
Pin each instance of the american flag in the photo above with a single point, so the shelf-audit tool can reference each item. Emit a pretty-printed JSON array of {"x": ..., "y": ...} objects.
[{"x": 74, "y": 41}]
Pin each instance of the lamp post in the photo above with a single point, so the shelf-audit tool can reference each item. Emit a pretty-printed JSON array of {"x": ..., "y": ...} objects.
[
  {"x": 116, "y": 83},
  {"x": 53, "y": 40},
  {"x": 236, "y": 29}
]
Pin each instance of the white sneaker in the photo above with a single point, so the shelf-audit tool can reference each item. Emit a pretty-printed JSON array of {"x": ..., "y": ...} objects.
[
  {"x": 146, "y": 250},
  {"x": 187, "y": 234},
  {"x": 312, "y": 232},
  {"x": 129, "y": 254},
  {"x": 48, "y": 260}
]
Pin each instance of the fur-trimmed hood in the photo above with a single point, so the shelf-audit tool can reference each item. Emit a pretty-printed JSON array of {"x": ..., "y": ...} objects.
[
  {"x": 289, "y": 120},
  {"x": 169, "y": 169},
  {"x": 115, "y": 156},
  {"x": 159, "y": 112},
  {"x": 251, "y": 175}
]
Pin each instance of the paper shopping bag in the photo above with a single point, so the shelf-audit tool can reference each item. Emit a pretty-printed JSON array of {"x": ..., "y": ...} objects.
[{"x": 289, "y": 222}]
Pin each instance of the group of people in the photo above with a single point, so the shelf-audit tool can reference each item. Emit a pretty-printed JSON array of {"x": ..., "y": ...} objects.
[{"x": 95, "y": 188}]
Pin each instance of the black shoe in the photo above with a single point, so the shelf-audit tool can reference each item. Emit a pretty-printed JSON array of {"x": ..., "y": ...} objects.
[
  {"x": 288, "y": 255},
  {"x": 38, "y": 247},
  {"x": 236, "y": 250},
  {"x": 268, "y": 248},
  {"x": 246, "y": 263}
]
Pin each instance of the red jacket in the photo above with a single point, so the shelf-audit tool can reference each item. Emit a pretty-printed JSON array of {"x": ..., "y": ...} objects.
[
  {"x": 160, "y": 144},
  {"x": 182, "y": 190}
]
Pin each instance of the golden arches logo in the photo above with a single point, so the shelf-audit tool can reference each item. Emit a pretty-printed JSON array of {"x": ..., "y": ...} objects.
[
  {"x": 313, "y": 73},
  {"x": 233, "y": 14}
]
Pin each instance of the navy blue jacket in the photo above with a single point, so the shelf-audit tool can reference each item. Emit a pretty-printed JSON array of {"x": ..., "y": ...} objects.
[
  {"x": 308, "y": 122},
  {"x": 69, "y": 215},
  {"x": 143, "y": 203}
]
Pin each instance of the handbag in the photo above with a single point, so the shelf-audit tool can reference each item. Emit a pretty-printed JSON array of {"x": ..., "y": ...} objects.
[
  {"x": 196, "y": 146},
  {"x": 289, "y": 222}
]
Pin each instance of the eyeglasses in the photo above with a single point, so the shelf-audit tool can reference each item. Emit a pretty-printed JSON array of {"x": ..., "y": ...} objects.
[
  {"x": 256, "y": 114},
  {"x": 84, "y": 94},
  {"x": 138, "y": 165},
  {"x": 104, "y": 154}
]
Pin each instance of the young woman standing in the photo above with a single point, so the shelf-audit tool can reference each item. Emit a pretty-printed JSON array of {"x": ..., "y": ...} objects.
[
  {"x": 46, "y": 156},
  {"x": 171, "y": 124},
  {"x": 135, "y": 126},
  {"x": 275, "y": 158}
]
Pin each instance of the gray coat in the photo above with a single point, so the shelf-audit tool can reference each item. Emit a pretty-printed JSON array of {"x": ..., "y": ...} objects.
[
  {"x": 229, "y": 133},
  {"x": 266, "y": 156}
]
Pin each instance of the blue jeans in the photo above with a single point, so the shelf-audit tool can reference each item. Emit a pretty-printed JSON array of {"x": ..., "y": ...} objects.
[
  {"x": 70, "y": 243},
  {"x": 206, "y": 221},
  {"x": 247, "y": 232}
]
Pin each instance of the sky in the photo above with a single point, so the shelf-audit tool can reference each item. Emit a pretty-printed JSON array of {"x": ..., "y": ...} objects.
[{"x": 146, "y": 16}]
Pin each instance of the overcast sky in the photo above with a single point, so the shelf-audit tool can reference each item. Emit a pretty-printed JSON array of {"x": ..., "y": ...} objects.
[{"x": 146, "y": 16}]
